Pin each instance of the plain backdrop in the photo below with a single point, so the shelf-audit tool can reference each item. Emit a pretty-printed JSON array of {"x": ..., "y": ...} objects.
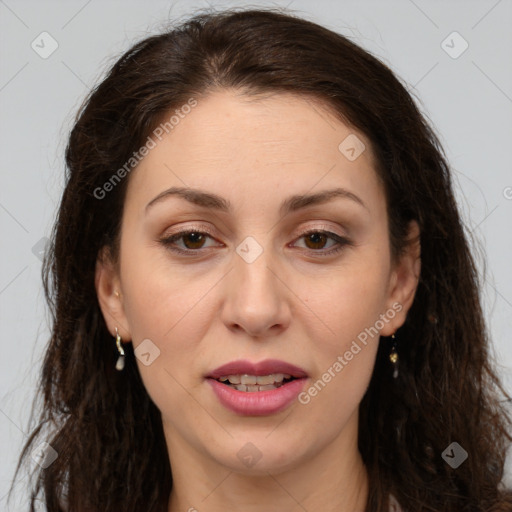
[{"x": 454, "y": 57}]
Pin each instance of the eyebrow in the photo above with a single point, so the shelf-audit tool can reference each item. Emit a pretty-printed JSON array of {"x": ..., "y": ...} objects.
[{"x": 289, "y": 205}]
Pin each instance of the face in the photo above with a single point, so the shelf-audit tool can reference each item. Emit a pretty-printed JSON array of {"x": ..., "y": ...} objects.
[{"x": 260, "y": 273}]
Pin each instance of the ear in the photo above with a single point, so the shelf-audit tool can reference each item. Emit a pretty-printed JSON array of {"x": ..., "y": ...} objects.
[
  {"x": 110, "y": 296},
  {"x": 404, "y": 280}
]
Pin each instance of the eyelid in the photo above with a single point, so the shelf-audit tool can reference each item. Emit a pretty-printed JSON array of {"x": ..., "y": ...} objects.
[
  {"x": 197, "y": 228},
  {"x": 328, "y": 229}
]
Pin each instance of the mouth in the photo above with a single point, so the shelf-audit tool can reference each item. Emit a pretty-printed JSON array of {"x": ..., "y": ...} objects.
[
  {"x": 253, "y": 383},
  {"x": 257, "y": 389}
]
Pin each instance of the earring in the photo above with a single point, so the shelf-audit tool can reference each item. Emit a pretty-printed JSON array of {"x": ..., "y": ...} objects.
[
  {"x": 120, "y": 359},
  {"x": 393, "y": 357}
]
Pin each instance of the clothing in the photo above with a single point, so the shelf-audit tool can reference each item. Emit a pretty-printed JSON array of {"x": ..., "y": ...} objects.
[{"x": 394, "y": 505}]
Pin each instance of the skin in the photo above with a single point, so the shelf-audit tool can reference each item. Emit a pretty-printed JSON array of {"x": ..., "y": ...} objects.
[{"x": 289, "y": 304}]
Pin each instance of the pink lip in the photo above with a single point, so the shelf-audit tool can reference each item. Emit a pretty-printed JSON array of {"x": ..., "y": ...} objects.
[
  {"x": 266, "y": 367},
  {"x": 257, "y": 403}
]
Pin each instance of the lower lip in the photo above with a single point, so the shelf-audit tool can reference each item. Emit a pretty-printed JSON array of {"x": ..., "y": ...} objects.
[{"x": 257, "y": 403}]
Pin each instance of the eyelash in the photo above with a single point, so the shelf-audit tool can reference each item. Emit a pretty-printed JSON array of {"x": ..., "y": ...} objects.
[{"x": 169, "y": 241}]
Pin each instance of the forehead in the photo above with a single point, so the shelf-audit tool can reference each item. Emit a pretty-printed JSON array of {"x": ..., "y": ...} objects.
[
  {"x": 265, "y": 145},
  {"x": 282, "y": 124}
]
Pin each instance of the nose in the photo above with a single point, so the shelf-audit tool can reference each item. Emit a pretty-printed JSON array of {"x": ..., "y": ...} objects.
[{"x": 256, "y": 297}]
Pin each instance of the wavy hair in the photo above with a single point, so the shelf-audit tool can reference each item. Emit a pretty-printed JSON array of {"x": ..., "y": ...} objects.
[{"x": 108, "y": 433}]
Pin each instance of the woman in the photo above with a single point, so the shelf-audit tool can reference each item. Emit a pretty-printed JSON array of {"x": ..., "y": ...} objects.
[{"x": 263, "y": 297}]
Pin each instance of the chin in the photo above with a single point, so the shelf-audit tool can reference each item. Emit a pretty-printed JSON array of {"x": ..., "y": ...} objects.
[{"x": 260, "y": 456}]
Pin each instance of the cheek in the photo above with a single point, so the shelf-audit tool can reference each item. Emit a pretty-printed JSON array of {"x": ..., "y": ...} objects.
[
  {"x": 166, "y": 307},
  {"x": 160, "y": 292},
  {"x": 348, "y": 300},
  {"x": 351, "y": 307},
  {"x": 172, "y": 305}
]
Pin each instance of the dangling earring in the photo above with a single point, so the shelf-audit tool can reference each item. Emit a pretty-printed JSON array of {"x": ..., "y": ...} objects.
[
  {"x": 393, "y": 357},
  {"x": 120, "y": 359}
]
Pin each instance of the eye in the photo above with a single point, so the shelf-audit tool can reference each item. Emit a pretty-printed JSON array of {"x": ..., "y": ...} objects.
[
  {"x": 192, "y": 239},
  {"x": 316, "y": 239}
]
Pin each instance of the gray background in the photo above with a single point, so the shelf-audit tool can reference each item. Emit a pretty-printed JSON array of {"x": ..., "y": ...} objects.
[{"x": 468, "y": 98}]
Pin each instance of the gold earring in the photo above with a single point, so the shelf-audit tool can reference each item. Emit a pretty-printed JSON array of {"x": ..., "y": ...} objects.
[
  {"x": 120, "y": 359},
  {"x": 393, "y": 357}
]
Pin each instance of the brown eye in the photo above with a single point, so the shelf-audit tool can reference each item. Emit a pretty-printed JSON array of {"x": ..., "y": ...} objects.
[
  {"x": 196, "y": 240},
  {"x": 187, "y": 241},
  {"x": 317, "y": 240}
]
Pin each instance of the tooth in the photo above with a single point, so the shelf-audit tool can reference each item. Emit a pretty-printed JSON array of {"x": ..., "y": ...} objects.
[
  {"x": 234, "y": 379},
  {"x": 223, "y": 379},
  {"x": 265, "y": 379},
  {"x": 267, "y": 387},
  {"x": 248, "y": 379},
  {"x": 252, "y": 388},
  {"x": 286, "y": 376},
  {"x": 241, "y": 387},
  {"x": 278, "y": 377}
]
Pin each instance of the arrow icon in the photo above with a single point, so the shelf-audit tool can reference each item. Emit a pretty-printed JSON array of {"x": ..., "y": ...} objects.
[
  {"x": 454, "y": 45},
  {"x": 249, "y": 455},
  {"x": 351, "y": 147},
  {"x": 147, "y": 352},
  {"x": 44, "y": 45},
  {"x": 454, "y": 455},
  {"x": 44, "y": 455},
  {"x": 249, "y": 252}
]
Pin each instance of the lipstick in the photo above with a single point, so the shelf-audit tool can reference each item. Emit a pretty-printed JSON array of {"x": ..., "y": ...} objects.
[{"x": 238, "y": 388}]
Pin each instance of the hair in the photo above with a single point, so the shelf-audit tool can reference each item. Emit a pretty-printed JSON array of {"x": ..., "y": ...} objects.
[{"x": 106, "y": 430}]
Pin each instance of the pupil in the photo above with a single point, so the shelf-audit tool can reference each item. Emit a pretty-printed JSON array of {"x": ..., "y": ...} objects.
[
  {"x": 314, "y": 237},
  {"x": 198, "y": 240}
]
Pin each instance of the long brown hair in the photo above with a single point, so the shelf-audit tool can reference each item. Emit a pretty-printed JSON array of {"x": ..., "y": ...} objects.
[{"x": 108, "y": 433}]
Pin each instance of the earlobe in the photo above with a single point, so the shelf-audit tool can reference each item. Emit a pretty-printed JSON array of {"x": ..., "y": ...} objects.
[
  {"x": 405, "y": 278},
  {"x": 110, "y": 298}
]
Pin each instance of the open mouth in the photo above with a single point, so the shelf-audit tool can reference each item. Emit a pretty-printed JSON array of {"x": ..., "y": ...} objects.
[
  {"x": 257, "y": 389},
  {"x": 254, "y": 383}
]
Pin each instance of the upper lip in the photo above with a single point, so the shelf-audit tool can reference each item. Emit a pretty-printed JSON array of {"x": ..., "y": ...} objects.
[{"x": 266, "y": 367}]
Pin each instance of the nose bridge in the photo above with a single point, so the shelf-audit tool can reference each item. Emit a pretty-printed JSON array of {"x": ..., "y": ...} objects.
[
  {"x": 252, "y": 265},
  {"x": 255, "y": 300},
  {"x": 253, "y": 261}
]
